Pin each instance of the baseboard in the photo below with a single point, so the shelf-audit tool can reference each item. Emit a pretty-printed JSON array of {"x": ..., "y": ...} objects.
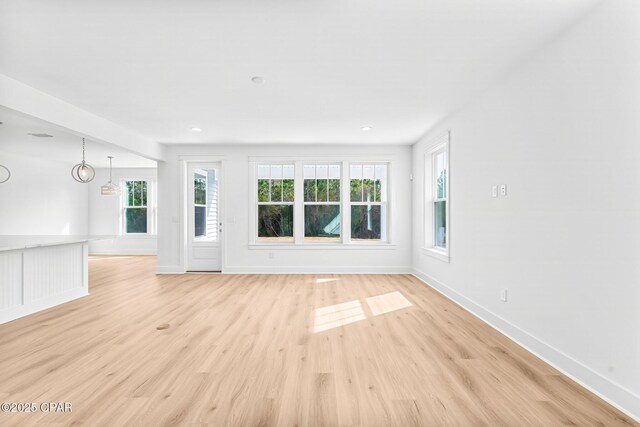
[
  {"x": 169, "y": 269},
  {"x": 616, "y": 395},
  {"x": 176, "y": 269},
  {"x": 123, "y": 252},
  {"x": 316, "y": 270}
]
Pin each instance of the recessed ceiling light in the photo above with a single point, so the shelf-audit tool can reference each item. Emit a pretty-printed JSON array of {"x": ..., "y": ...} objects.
[
  {"x": 366, "y": 128},
  {"x": 257, "y": 80},
  {"x": 40, "y": 135},
  {"x": 196, "y": 129}
]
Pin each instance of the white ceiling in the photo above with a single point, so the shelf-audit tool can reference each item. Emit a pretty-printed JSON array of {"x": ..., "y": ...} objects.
[
  {"x": 64, "y": 147},
  {"x": 160, "y": 67}
]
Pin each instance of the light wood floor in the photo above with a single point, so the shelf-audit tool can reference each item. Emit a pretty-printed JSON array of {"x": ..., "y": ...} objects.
[{"x": 251, "y": 350}]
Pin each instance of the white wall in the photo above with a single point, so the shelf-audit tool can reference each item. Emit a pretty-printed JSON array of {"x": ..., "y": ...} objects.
[
  {"x": 41, "y": 198},
  {"x": 563, "y": 132},
  {"x": 238, "y": 257},
  {"x": 104, "y": 216}
]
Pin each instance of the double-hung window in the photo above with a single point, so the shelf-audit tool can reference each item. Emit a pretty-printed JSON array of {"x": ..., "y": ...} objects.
[
  {"x": 368, "y": 194},
  {"x": 317, "y": 202},
  {"x": 276, "y": 196},
  {"x": 136, "y": 209},
  {"x": 322, "y": 202},
  {"x": 440, "y": 198},
  {"x": 437, "y": 206}
]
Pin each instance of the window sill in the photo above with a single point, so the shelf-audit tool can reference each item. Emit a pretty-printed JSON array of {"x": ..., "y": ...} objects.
[
  {"x": 438, "y": 254},
  {"x": 137, "y": 236},
  {"x": 321, "y": 246}
]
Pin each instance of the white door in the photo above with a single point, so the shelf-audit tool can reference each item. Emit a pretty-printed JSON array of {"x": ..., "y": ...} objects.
[{"x": 204, "y": 222}]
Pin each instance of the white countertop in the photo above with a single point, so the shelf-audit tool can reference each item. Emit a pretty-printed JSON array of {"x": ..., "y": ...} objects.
[{"x": 13, "y": 243}]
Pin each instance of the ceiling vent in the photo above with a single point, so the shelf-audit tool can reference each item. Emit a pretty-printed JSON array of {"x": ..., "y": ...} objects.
[{"x": 41, "y": 135}]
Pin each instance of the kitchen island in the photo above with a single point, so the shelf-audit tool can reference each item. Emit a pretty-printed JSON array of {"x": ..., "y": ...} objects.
[{"x": 39, "y": 272}]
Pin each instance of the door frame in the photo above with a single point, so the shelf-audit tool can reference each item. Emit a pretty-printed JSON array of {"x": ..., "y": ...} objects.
[{"x": 185, "y": 161}]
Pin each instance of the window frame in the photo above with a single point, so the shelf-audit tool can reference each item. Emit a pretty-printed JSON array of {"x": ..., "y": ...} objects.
[
  {"x": 383, "y": 203},
  {"x": 339, "y": 203},
  {"x": 298, "y": 204},
  {"x": 258, "y": 203},
  {"x": 150, "y": 206},
  {"x": 436, "y": 146}
]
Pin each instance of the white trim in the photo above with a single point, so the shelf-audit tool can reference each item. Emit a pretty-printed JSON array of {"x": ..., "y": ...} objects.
[
  {"x": 135, "y": 236},
  {"x": 326, "y": 246},
  {"x": 317, "y": 270},
  {"x": 345, "y": 198},
  {"x": 170, "y": 269},
  {"x": 437, "y": 254},
  {"x": 185, "y": 161},
  {"x": 25, "y": 99},
  {"x": 151, "y": 206},
  {"x": 124, "y": 252},
  {"x": 616, "y": 395},
  {"x": 326, "y": 158}
]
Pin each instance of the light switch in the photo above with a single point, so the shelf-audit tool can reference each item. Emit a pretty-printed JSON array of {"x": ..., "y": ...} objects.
[
  {"x": 494, "y": 191},
  {"x": 503, "y": 190}
]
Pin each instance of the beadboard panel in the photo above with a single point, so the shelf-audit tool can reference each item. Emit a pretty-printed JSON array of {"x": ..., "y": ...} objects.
[
  {"x": 39, "y": 278},
  {"x": 52, "y": 271},
  {"x": 10, "y": 280}
]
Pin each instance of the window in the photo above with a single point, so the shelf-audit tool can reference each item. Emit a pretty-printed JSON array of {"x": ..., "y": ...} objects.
[
  {"x": 205, "y": 204},
  {"x": 437, "y": 206},
  {"x": 368, "y": 194},
  {"x": 322, "y": 203},
  {"x": 276, "y": 196},
  {"x": 200, "y": 204},
  {"x": 136, "y": 207},
  {"x": 315, "y": 202},
  {"x": 440, "y": 199}
]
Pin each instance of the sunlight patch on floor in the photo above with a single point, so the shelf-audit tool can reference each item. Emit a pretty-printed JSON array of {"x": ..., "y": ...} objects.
[
  {"x": 387, "y": 303},
  {"x": 337, "y": 315},
  {"x": 326, "y": 280},
  {"x": 334, "y": 316}
]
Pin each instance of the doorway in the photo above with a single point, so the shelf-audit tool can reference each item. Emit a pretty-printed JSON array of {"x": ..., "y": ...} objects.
[{"x": 204, "y": 222}]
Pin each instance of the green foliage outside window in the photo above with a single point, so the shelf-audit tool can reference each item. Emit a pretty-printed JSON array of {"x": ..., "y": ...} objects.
[
  {"x": 322, "y": 221},
  {"x": 441, "y": 183},
  {"x": 309, "y": 190},
  {"x": 200, "y": 189},
  {"x": 366, "y": 190},
  {"x": 287, "y": 190},
  {"x": 365, "y": 222},
  {"x": 275, "y": 190},
  {"x": 275, "y": 221},
  {"x": 136, "y": 193},
  {"x": 136, "y": 220},
  {"x": 263, "y": 190},
  {"x": 135, "y": 212}
]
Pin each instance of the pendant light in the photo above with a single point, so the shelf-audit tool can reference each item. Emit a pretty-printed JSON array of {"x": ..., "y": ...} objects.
[
  {"x": 5, "y": 174},
  {"x": 83, "y": 172},
  {"x": 110, "y": 189}
]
